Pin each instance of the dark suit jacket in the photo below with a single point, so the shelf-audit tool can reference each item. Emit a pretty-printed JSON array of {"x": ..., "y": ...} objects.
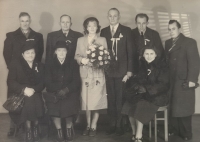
[
  {"x": 124, "y": 47},
  {"x": 14, "y": 42},
  {"x": 151, "y": 35},
  {"x": 53, "y": 37},
  {"x": 184, "y": 64}
]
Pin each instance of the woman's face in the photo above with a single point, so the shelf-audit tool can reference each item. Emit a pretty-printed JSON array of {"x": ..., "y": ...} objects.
[
  {"x": 149, "y": 55},
  {"x": 61, "y": 53},
  {"x": 29, "y": 55},
  {"x": 92, "y": 27}
]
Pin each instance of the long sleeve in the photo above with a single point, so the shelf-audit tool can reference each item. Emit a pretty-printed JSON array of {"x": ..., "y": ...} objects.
[
  {"x": 40, "y": 48},
  {"x": 48, "y": 49},
  {"x": 129, "y": 44},
  {"x": 13, "y": 84},
  {"x": 49, "y": 83},
  {"x": 193, "y": 61},
  {"x": 40, "y": 86},
  {"x": 8, "y": 49},
  {"x": 78, "y": 54},
  {"x": 158, "y": 44},
  {"x": 74, "y": 86}
]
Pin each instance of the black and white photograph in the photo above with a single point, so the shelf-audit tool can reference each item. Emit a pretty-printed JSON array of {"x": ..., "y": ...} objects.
[{"x": 99, "y": 71}]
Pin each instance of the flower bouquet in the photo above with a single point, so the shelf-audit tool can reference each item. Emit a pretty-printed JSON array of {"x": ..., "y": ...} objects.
[{"x": 98, "y": 56}]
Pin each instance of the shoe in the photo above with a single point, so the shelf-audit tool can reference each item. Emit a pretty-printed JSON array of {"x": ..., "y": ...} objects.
[
  {"x": 86, "y": 131},
  {"x": 187, "y": 138},
  {"x": 36, "y": 137},
  {"x": 119, "y": 132},
  {"x": 138, "y": 139},
  {"x": 111, "y": 130},
  {"x": 29, "y": 136},
  {"x": 132, "y": 138},
  {"x": 60, "y": 137},
  {"x": 70, "y": 134},
  {"x": 92, "y": 132},
  {"x": 11, "y": 132}
]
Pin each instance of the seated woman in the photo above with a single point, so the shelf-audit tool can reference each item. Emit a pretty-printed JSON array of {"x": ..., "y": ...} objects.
[
  {"x": 62, "y": 79},
  {"x": 26, "y": 76},
  {"x": 148, "y": 91}
]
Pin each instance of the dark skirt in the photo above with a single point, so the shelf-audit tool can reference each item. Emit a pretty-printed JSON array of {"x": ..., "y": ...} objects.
[
  {"x": 32, "y": 110},
  {"x": 143, "y": 110},
  {"x": 67, "y": 107}
]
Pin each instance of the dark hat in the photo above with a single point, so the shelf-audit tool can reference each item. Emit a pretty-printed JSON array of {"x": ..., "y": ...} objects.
[
  {"x": 61, "y": 44},
  {"x": 28, "y": 45}
]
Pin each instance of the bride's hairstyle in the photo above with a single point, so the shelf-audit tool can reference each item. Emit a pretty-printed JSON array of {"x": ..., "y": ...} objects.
[{"x": 91, "y": 19}]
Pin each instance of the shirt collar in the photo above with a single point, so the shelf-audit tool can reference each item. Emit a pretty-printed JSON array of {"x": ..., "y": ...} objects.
[
  {"x": 115, "y": 27},
  {"x": 143, "y": 32},
  {"x": 61, "y": 61}
]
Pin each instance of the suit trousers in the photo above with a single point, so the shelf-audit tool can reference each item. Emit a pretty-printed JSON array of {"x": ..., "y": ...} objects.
[
  {"x": 181, "y": 126},
  {"x": 115, "y": 89}
]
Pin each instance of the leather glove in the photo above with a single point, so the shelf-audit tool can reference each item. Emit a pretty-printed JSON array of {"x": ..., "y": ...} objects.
[{"x": 62, "y": 94}]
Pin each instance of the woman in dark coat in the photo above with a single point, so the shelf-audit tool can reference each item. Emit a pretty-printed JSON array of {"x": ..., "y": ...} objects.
[
  {"x": 148, "y": 91},
  {"x": 26, "y": 76},
  {"x": 62, "y": 80}
]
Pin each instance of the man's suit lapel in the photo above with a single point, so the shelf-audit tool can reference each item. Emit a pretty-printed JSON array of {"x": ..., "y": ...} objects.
[
  {"x": 31, "y": 34},
  {"x": 116, "y": 35}
]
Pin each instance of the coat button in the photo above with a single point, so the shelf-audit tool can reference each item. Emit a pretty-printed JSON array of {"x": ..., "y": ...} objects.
[{"x": 174, "y": 58}]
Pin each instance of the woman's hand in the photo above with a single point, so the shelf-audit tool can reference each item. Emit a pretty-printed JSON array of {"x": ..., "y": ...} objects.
[
  {"x": 29, "y": 92},
  {"x": 84, "y": 61}
]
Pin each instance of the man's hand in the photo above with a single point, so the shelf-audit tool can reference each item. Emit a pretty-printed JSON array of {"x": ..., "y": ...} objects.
[
  {"x": 84, "y": 61},
  {"x": 191, "y": 84},
  {"x": 129, "y": 74},
  {"x": 125, "y": 78}
]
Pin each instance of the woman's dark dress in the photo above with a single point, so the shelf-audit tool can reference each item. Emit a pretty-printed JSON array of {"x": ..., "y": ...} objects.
[
  {"x": 21, "y": 76},
  {"x": 156, "y": 85},
  {"x": 59, "y": 76}
]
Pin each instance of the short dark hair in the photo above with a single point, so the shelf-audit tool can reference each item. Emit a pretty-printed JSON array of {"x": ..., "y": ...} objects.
[
  {"x": 141, "y": 15},
  {"x": 24, "y": 14},
  {"x": 91, "y": 19},
  {"x": 175, "y": 21},
  {"x": 114, "y": 9},
  {"x": 64, "y": 16}
]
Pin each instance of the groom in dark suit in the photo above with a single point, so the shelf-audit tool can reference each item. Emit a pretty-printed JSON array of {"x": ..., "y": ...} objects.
[
  {"x": 64, "y": 34},
  {"x": 119, "y": 40}
]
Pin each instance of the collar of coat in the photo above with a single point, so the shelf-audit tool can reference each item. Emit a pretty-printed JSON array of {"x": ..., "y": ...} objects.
[
  {"x": 177, "y": 44},
  {"x": 19, "y": 32}
]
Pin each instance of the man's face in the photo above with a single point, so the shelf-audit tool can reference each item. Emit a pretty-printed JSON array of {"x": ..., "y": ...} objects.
[
  {"x": 65, "y": 23},
  {"x": 113, "y": 17},
  {"x": 25, "y": 22},
  {"x": 174, "y": 31},
  {"x": 141, "y": 23}
]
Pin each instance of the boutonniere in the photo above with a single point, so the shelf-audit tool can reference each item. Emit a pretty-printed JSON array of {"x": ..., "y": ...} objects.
[
  {"x": 120, "y": 36},
  {"x": 68, "y": 41},
  {"x": 30, "y": 39},
  {"x": 36, "y": 69},
  {"x": 145, "y": 41}
]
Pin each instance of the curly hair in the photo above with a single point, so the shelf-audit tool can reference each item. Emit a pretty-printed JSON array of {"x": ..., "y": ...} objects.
[{"x": 86, "y": 22}]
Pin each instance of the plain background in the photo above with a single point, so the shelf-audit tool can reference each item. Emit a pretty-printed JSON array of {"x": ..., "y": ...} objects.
[{"x": 45, "y": 16}]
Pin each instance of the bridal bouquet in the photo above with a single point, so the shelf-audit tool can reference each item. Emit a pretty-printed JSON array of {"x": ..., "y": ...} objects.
[{"x": 98, "y": 56}]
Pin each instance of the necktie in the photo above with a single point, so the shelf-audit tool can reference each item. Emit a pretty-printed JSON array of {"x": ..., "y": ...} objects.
[
  {"x": 113, "y": 31},
  {"x": 142, "y": 35}
]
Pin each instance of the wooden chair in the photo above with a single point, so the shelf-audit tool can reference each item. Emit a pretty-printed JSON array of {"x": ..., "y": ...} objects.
[{"x": 165, "y": 118}]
